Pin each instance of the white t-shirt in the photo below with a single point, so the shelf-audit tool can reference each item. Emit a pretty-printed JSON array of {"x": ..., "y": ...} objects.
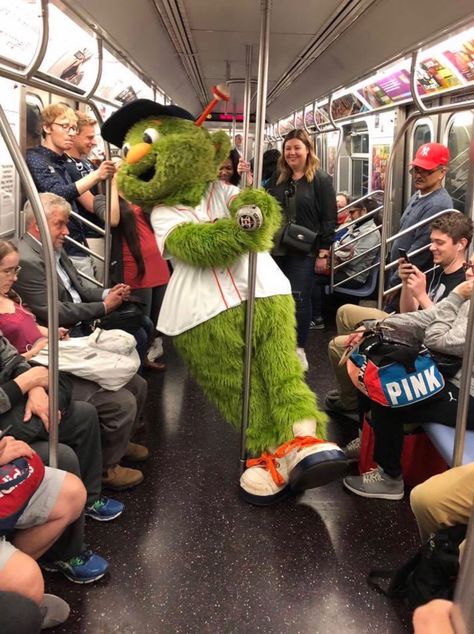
[{"x": 196, "y": 294}]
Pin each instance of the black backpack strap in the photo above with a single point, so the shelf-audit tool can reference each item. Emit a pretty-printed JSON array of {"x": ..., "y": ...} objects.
[{"x": 378, "y": 574}]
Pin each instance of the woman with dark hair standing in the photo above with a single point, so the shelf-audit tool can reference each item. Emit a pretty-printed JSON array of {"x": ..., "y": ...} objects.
[
  {"x": 228, "y": 170},
  {"x": 136, "y": 261},
  {"x": 308, "y": 199}
]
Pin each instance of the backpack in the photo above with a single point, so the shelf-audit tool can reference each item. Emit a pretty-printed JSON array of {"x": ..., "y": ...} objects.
[
  {"x": 19, "y": 480},
  {"x": 430, "y": 574}
]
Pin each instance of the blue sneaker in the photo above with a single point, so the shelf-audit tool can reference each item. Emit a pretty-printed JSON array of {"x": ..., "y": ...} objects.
[
  {"x": 84, "y": 568},
  {"x": 104, "y": 509}
]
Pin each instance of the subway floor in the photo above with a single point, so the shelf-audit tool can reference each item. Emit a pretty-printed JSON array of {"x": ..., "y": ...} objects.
[{"x": 188, "y": 556}]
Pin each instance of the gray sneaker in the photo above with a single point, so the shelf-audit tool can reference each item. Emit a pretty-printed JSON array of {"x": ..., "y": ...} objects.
[
  {"x": 54, "y": 610},
  {"x": 352, "y": 450},
  {"x": 375, "y": 484}
]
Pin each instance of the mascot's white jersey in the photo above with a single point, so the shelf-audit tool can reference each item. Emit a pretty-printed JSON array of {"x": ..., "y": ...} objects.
[{"x": 196, "y": 294}]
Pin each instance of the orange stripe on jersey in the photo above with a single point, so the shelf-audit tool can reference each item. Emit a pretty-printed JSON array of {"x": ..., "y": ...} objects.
[
  {"x": 208, "y": 206},
  {"x": 234, "y": 284},
  {"x": 220, "y": 288},
  {"x": 190, "y": 211}
]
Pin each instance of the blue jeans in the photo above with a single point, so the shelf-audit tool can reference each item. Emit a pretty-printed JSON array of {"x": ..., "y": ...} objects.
[{"x": 299, "y": 269}]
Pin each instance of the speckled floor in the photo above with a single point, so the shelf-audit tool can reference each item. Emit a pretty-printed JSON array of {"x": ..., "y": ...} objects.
[{"x": 187, "y": 556}]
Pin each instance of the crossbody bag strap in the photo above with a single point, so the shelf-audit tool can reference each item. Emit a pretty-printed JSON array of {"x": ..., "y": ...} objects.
[{"x": 290, "y": 201}]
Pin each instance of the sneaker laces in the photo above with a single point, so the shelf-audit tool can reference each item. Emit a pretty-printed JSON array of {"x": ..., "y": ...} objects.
[
  {"x": 267, "y": 461},
  {"x": 354, "y": 445},
  {"x": 372, "y": 476},
  {"x": 298, "y": 443},
  {"x": 98, "y": 504},
  {"x": 79, "y": 560}
]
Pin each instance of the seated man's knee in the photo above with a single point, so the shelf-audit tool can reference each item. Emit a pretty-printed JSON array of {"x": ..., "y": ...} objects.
[
  {"x": 422, "y": 497},
  {"x": 71, "y": 499},
  {"x": 22, "y": 574}
]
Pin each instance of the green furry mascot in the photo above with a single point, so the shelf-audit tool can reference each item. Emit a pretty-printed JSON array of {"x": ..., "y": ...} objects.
[{"x": 170, "y": 168}]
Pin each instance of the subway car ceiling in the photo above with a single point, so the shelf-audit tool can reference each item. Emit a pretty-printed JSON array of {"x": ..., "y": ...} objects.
[{"x": 316, "y": 47}]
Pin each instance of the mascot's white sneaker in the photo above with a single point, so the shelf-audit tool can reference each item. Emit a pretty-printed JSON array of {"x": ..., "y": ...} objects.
[
  {"x": 302, "y": 463},
  {"x": 265, "y": 481},
  {"x": 310, "y": 461}
]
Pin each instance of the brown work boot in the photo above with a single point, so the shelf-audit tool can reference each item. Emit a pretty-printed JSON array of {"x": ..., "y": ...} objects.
[
  {"x": 118, "y": 478},
  {"x": 136, "y": 452}
]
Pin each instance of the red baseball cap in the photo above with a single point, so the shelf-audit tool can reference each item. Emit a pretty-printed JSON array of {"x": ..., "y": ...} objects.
[{"x": 429, "y": 156}]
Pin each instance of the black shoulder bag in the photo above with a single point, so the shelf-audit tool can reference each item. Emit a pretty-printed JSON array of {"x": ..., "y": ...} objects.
[{"x": 295, "y": 236}]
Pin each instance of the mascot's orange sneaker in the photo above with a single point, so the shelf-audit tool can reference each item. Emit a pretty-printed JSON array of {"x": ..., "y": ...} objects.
[{"x": 302, "y": 463}]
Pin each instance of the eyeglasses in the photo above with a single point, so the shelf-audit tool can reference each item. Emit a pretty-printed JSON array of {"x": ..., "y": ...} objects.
[
  {"x": 14, "y": 270},
  {"x": 67, "y": 127},
  {"x": 421, "y": 172},
  {"x": 468, "y": 265}
]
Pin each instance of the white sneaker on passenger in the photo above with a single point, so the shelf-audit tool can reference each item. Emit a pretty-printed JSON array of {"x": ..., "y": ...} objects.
[
  {"x": 303, "y": 360},
  {"x": 352, "y": 450},
  {"x": 375, "y": 484},
  {"x": 155, "y": 350},
  {"x": 54, "y": 611}
]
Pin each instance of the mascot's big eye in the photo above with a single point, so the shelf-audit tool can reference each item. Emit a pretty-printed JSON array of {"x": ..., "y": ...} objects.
[
  {"x": 125, "y": 149},
  {"x": 151, "y": 135}
]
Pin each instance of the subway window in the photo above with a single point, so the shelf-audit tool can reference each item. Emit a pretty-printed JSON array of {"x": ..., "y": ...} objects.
[{"x": 459, "y": 135}]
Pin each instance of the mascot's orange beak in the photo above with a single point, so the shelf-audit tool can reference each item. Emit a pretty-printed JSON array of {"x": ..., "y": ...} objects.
[{"x": 137, "y": 152}]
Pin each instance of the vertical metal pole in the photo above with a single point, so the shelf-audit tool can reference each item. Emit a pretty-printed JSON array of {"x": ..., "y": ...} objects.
[
  {"x": 247, "y": 95},
  {"x": 43, "y": 43},
  {"x": 468, "y": 357},
  {"x": 257, "y": 175},
  {"x": 51, "y": 281},
  {"x": 108, "y": 207}
]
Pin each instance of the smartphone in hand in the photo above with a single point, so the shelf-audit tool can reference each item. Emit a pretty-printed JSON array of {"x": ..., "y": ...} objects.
[
  {"x": 404, "y": 255},
  {"x": 5, "y": 431}
]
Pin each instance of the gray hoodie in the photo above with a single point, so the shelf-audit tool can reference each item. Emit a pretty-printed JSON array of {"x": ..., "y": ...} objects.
[{"x": 442, "y": 327}]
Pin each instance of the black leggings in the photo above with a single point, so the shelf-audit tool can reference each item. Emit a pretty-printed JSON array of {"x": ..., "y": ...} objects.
[{"x": 387, "y": 423}]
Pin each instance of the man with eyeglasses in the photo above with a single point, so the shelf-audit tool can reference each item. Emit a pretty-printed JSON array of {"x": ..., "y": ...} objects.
[
  {"x": 428, "y": 170},
  {"x": 47, "y": 164}
]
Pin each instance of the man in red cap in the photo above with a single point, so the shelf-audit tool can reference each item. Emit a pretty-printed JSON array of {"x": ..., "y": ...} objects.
[{"x": 428, "y": 169}]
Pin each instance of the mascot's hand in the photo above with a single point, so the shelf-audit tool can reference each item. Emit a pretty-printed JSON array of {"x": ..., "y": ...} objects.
[
  {"x": 258, "y": 215},
  {"x": 220, "y": 243}
]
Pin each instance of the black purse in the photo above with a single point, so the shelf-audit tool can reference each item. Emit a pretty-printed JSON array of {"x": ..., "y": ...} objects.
[
  {"x": 448, "y": 364},
  {"x": 128, "y": 316},
  {"x": 293, "y": 235}
]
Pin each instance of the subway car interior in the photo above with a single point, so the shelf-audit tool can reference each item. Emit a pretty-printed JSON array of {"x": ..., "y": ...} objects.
[{"x": 370, "y": 82}]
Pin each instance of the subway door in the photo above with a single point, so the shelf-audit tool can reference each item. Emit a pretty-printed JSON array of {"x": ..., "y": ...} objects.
[
  {"x": 424, "y": 130},
  {"x": 456, "y": 135}
]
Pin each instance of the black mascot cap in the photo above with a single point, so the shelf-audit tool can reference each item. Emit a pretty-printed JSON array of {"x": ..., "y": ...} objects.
[{"x": 116, "y": 127}]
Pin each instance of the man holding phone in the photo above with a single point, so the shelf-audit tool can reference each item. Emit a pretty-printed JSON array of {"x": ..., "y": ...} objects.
[{"x": 450, "y": 236}]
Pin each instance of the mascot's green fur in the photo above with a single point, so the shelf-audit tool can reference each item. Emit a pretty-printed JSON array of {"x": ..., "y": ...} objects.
[{"x": 168, "y": 161}]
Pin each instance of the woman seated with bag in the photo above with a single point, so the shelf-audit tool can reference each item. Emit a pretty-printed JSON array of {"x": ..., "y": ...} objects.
[
  {"x": 112, "y": 366},
  {"x": 442, "y": 329}
]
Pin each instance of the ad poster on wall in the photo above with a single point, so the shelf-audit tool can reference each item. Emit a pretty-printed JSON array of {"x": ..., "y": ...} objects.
[{"x": 380, "y": 154}]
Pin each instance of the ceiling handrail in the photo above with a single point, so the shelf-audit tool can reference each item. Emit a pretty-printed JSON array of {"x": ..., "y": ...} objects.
[{"x": 469, "y": 103}]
